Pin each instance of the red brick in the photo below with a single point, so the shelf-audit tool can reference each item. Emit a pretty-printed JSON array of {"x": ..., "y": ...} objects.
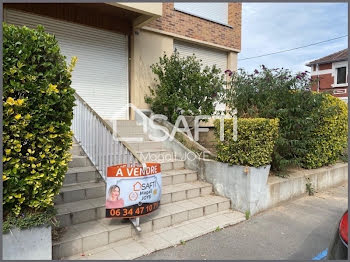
[
  {"x": 190, "y": 26},
  {"x": 325, "y": 66}
]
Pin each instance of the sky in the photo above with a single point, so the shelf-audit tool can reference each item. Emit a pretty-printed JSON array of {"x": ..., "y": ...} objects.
[{"x": 272, "y": 27}]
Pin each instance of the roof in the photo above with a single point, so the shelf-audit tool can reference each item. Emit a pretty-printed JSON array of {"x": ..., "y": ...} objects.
[{"x": 335, "y": 57}]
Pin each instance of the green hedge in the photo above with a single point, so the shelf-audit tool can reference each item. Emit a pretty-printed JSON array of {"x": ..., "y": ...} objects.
[
  {"x": 312, "y": 126},
  {"x": 254, "y": 145},
  {"x": 38, "y": 110},
  {"x": 329, "y": 139}
]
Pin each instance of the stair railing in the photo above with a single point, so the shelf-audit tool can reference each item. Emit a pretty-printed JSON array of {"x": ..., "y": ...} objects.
[{"x": 98, "y": 139}]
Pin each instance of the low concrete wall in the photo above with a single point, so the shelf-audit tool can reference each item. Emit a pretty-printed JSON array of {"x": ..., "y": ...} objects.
[
  {"x": 29, "y": 244},
  {"x": 242, "y": 185},
  {"x": 251, "y": 189},
  {"x": 282, "y": 189}
]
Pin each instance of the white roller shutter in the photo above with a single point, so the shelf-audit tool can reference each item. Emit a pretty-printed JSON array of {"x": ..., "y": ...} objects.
[
  {"x": 101, "y": 73},
  {"x": 208, "y": 56},
  {"x": 216, "y": 12}
]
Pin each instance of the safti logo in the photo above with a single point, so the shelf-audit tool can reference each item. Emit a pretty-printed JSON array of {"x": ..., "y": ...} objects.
[
  {"x": 162, "y": 134},
  {"x": 137, "y": 186}
]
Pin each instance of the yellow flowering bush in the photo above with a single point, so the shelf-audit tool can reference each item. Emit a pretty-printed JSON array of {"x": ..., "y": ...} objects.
[
  {"x": 256, "y": 138},
  {"x": 37, "y": 114},
  {"x": 330, "y": 137}
]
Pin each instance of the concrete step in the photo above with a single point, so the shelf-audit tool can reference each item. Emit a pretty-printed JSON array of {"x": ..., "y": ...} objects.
[
  {"x": 81, "y": 191},
  {"x": 173, "y": 177},
  {"x": 123, "y": 123},
  {"x": 76, "y": 150},
  {"x": 80, "y": 211},
  {"x": 170, "y": 165},
  {"x": 146, "y": 145},
  {"x": 134, "y": 137},
  {"x": 156, "y": 155},
  {"x": 127, "y": 130},
  {"x": 83, "y": 161},
  {"x": 184, "y": 191},
  {"x": 76, "y": 175},
  {"x": 140, "y": 245},
  {"x": 86, "y": 236},
  {"x": 79, "y": 161},
  {"x": 91, "y": 209}
]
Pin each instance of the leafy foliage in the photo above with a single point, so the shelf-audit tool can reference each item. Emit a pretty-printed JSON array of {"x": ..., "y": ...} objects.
[
  {"x": 312, "y": 125},
  {"x": 184, "y": 87},
  {"x": 309, "y": 188},
  {"x": 254, "y": 144},
  {"x": 247, "y": 214},
  {"x": 30, "y": 219},
  {"x": 38, "y": 110},
  {"x": 261, "y": 93},
  {"x": 328, "y": 142}
]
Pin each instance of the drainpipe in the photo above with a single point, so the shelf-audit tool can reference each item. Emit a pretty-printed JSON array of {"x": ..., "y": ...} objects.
[{"x": 318, "y": 79}]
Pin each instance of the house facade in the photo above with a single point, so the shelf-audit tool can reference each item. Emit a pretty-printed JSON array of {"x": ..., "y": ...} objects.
[
  {"x": 116, "y": 43},
  {"x": 330, "y": 74}
]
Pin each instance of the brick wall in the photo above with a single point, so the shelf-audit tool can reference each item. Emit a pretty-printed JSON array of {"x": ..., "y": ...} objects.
[
  {"x": 326, "y": 81},
  {"x": 197, "y": 28},
  {"x": 325, "y": 66}
]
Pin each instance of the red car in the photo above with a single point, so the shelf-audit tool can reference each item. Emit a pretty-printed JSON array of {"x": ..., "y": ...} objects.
[{"x": 338, "y": 249}]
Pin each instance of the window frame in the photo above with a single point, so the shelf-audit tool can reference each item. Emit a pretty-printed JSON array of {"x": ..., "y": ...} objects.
[
  {"x": 337, "y": 71},
  {"x": 335, "y": 67}
]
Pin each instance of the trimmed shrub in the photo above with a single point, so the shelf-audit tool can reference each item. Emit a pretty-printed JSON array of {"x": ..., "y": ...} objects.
[
  {"x": 254, "y": 145},
  {"x": 184, "y": 87},
  {"x": 329, "y": 139},
  {"x": 38, "y": 110}
]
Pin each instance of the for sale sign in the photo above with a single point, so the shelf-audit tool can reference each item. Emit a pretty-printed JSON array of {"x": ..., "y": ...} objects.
[{"x": 133, "y": 191}]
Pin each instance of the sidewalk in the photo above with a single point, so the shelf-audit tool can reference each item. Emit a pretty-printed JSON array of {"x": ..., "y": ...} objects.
[
  {"x": 147, "y": 243},
  {"x": 300, "y": 229}
]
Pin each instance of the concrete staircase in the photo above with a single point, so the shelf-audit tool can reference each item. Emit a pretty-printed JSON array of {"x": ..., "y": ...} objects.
[{"x": 81, "y": 201}]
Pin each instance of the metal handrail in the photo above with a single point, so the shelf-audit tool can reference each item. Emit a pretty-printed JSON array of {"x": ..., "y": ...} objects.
[{"x": 100, "y": 142}]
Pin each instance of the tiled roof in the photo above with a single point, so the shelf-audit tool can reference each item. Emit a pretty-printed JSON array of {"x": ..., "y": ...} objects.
[{"x": 338, "y": 56}]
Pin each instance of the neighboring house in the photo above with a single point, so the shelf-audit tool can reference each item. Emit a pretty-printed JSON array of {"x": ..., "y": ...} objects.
[
  {"x": 331, "y": 74},
  {"x": 117, "y": 42}
]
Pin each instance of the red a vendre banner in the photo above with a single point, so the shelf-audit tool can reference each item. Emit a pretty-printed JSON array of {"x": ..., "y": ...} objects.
[{"x": 133, "y": 191}]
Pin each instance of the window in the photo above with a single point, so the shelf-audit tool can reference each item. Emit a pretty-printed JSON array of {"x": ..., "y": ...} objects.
[
  {"x": 216, "y": 12},
  {"x": 341, "y": 75}
]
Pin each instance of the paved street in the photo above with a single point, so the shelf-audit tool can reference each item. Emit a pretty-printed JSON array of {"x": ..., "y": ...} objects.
[{"x": 299, "y": 229}]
